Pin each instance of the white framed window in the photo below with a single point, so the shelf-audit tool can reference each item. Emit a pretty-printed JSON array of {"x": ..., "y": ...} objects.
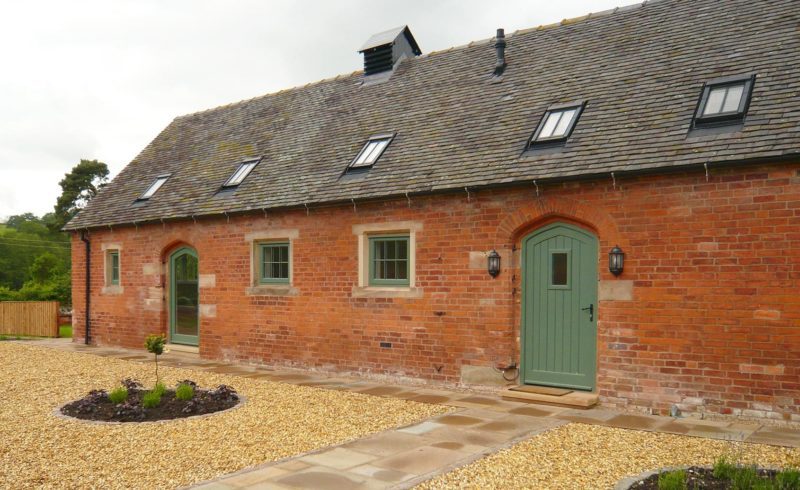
[
  {"x": 724, "y": 101},
  {"x": 371, "y": 152},
  {"x": 154, "y": 187},
  {"x": 241, "y": 173},
  {"x": 557, "y": 123}
]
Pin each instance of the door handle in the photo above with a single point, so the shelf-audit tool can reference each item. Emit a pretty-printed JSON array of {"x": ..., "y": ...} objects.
[{"x": 591, "y": 311}]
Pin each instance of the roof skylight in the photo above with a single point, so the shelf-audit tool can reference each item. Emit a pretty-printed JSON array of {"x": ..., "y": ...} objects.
[
  {"x": 724, "y": 100},
  {"x": 241, "y": 173},
  {"x": 154, "y": 187},
  {"x": 557, "y": 123},
  {"x": 371, "y": 151}
]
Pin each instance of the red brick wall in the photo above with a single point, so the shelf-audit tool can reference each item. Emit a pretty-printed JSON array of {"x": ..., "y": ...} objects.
[{"x": 713, "y": 323}]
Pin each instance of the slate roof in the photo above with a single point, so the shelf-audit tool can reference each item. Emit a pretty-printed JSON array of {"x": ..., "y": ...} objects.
[{"x": 640, "y": 68}]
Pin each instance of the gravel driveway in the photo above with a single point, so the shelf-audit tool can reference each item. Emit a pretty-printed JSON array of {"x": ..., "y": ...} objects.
[
  {"x": 578, "y": 456},
  {"x": 278, "y": 420}
]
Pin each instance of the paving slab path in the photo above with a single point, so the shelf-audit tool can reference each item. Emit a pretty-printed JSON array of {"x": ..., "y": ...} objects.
[{"x": 480, "y": 424}]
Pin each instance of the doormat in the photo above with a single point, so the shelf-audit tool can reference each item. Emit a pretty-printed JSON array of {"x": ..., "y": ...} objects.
[{"x": 541, "y": 390}]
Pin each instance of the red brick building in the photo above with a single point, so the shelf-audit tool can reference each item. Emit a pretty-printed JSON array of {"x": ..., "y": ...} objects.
[{"x": 347, "y": 225}]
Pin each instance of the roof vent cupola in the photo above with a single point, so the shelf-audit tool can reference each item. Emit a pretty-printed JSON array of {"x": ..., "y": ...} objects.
[{"x": 382, "y": 51}]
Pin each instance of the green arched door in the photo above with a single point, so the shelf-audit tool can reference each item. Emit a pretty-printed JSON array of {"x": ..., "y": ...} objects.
[
  {"x": 559, "y": 307},
  {"x": 184, "y": 302}
]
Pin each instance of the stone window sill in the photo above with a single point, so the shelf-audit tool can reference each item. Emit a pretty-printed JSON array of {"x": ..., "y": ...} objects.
[
  {"x": 272, "y": 290},
  {"x": 183, "y": 348},
  {"x": 386, "y": 292},
  {"x": 112, "y": 290}
]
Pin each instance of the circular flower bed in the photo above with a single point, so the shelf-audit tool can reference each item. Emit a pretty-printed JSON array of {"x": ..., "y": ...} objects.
[
  {"x": 132, "y": 403},
  {"x": 722, "y": 476}
]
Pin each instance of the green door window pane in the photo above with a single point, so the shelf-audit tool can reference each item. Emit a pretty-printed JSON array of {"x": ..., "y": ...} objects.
[{"x": 559, "y": 267}]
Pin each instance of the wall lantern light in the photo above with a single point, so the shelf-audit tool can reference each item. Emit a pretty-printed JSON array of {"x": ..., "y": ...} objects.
[
  {"x": 616, "y": 259},
  {"x": 493, "y": 263}
]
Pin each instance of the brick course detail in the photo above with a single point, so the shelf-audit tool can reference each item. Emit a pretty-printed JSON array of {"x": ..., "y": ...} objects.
[{"x": 713, "y": 323}]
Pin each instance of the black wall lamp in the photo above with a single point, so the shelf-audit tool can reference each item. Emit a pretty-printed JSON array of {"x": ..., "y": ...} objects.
[
  {"x": 493, "y": 263},
  {"x": 616, "y": 260}
]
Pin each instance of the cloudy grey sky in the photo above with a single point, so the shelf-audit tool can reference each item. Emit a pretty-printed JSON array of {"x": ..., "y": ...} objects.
[{"x": 99, "y": 79}]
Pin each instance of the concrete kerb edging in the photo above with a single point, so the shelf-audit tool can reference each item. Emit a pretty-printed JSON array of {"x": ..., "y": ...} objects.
[
  {"x": 627, "y": 482},
  {"x": 57, "y": 412}
]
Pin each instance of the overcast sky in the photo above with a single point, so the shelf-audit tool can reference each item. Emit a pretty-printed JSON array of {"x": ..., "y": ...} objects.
[{"x": 100, "y": 79}]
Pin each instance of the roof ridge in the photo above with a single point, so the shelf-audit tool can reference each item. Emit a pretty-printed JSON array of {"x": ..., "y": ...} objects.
[
  {"x": 541, "y": 27},
  {"x": 269, "y": 94},
  {"x": 568, "y": 21},
  {"x": 564, "y": 22}
]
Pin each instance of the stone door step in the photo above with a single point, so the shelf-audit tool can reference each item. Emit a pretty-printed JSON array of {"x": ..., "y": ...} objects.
[
  {"x": 575, "y": 399},
  {"x": 542, "y": 390}
]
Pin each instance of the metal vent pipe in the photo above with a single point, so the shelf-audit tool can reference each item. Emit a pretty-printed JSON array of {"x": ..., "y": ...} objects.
[{"x": 500, "y": 47}]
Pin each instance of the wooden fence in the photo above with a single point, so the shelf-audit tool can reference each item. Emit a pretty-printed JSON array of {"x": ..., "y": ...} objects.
[{"x": 35, "y": 318}]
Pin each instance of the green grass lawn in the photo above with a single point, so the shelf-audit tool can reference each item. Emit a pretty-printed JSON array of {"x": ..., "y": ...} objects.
[{"x": 65, "y": 331}]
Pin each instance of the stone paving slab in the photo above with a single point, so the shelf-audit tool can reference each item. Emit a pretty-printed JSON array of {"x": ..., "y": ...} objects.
[
  {"x": 389, "y": 443},
  {"x": 421, "y": 460},
  {"x": 382, "y": 474},
  {"x": 481, "y": 424},
  {"x": 339, "y": 458}
]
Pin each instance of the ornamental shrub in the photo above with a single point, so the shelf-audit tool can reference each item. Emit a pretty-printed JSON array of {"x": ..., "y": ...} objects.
[
  {"x": 672, "y": 480},
  {"x": 151, "y": 399},
  {"x": 154, "y": 343},
  {"x": 788, "y": 479},
  {"x": 184, "y": 392},
  {"x": 745, "y": 478},
  {"x": 723, "y": 469},
  {"x": 118, "y": 395},
  {"x": 160, "y": 389}
]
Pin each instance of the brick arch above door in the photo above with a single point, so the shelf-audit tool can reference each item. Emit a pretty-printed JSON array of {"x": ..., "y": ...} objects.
[
  {"x": 172, "y": 245},
  {"x": 544, "y": 210}
]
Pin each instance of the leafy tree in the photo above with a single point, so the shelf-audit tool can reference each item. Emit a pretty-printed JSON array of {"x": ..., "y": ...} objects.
[
  {"x": 30, "y": 223},
  {"x": 154, "y": 343},
  {"x": 78, "y": 187},
  {"x": 7, "y": 294},
  {"x": 35, "y": 253},
  {"x": 50, "y": 221},
  {"x": 16, "y": 221},
  {"x": 44, "y": 268},
  {"x": 62, "y": 288},
  {"x": 34, "y": 261}
]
